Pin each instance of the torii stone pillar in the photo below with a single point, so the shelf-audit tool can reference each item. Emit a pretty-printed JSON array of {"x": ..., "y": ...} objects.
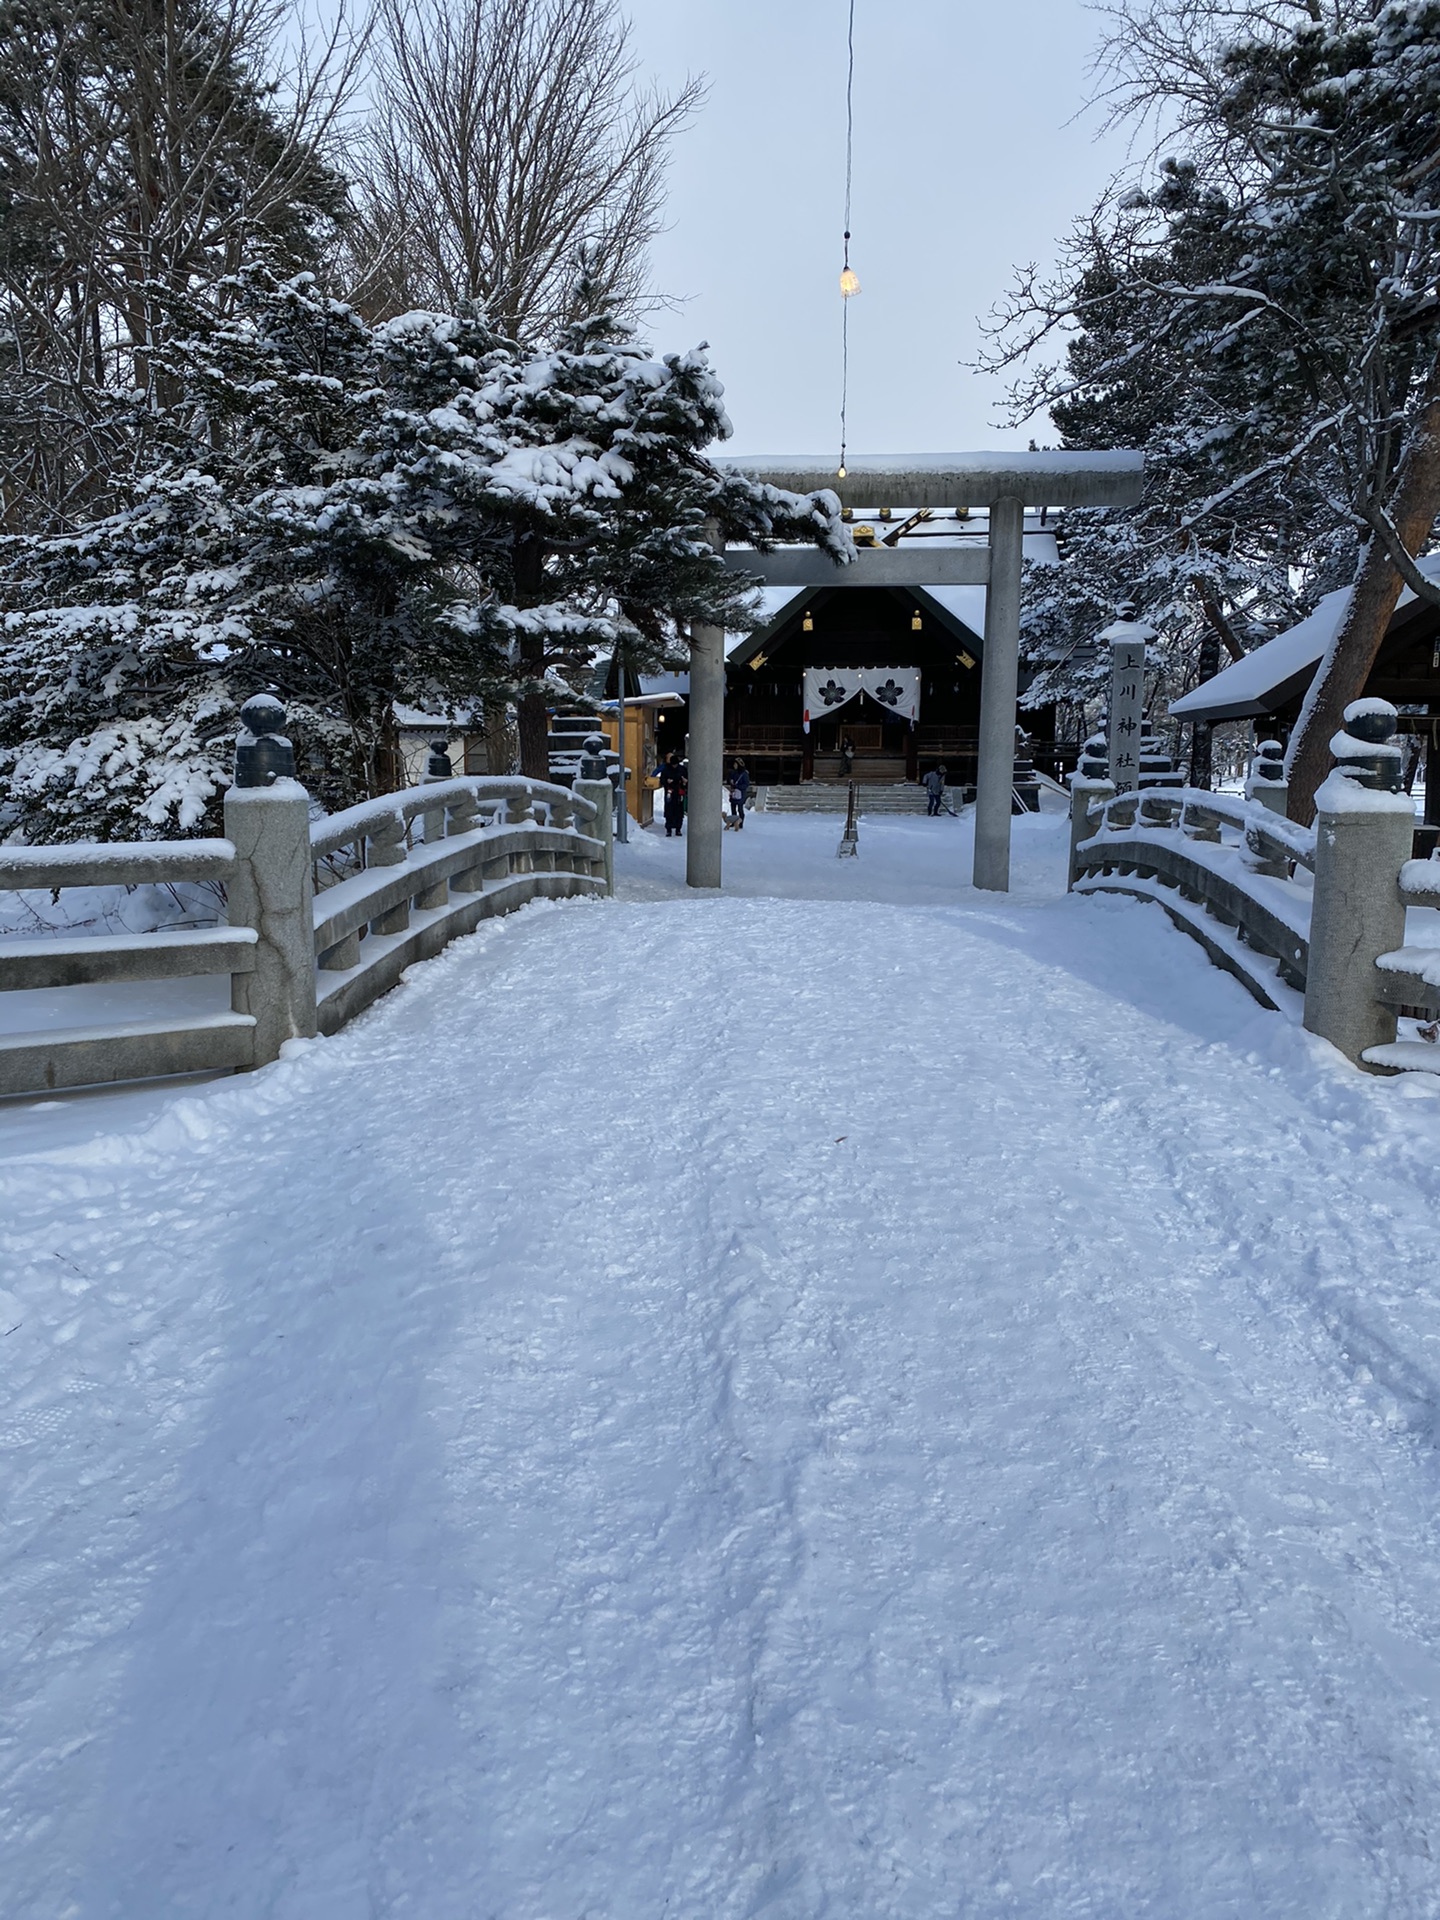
[
  {"x": 1006, "y": 483},
  {"x": 999, "y": 685},
  {"x": 704, "y": 815}
]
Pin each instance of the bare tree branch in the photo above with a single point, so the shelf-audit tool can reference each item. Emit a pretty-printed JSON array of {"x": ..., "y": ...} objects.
[{"x": 511, "y": 143}]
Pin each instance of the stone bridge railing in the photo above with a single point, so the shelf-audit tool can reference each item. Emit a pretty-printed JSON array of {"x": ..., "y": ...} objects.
[
  {"x": 1223, "y": 868},
  {"x": 1319, "y": 911},
  {"x": 323, "y": 917}
]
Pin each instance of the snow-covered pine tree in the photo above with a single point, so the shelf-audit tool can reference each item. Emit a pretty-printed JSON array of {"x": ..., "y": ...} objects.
[
  {"x": 1285, "y": 263},
  {"x": 354, "y": 516},
  {"x": 604, "y": 498},
  {"x": 273, "y": 536}
]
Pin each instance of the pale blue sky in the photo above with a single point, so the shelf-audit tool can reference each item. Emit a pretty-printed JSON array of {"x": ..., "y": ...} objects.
[{"x": 972, "y": 152}]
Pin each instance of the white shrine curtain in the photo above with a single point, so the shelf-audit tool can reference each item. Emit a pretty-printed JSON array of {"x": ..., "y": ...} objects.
[
  {"x": 827, "y": 689},
  {"x": 895, "y": 689}
]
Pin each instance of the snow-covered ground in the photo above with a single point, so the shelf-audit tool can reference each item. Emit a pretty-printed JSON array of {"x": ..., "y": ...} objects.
[{"x": 847, "y": 1398}]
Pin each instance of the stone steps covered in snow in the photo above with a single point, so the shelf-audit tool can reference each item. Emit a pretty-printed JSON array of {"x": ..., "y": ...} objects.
[{"x": 832, "y": 796}]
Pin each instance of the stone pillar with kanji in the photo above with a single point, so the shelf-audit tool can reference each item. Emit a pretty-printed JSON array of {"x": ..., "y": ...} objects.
[{"x": 1127, "y": 639}]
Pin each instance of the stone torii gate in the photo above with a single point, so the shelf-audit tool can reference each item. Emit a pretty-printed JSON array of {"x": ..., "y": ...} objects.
[{"x": 1006, "y": 484}]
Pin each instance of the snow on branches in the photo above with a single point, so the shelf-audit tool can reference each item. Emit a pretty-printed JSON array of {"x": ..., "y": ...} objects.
[
  {"x": 355, "y": 515},
  {"x": 1264, "y": 315}
]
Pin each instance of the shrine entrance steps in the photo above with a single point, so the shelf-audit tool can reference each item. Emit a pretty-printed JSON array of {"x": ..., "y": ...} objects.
[
  {"x": 873, "y": 769},
  {"x": 832, "y": 796}
]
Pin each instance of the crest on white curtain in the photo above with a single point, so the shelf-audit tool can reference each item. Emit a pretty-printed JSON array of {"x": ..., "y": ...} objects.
[{"x": 895, "y": 690}]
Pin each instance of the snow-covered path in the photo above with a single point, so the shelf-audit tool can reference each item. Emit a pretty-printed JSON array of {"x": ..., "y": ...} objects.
[{"x": 753, "y": 1406}]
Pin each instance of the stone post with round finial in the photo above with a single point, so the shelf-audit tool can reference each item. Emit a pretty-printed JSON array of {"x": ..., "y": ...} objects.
[
  {"x": 267, "y": 819},
  {"x": 593, "y": 783},
  {"x": 1364, "y": 825},
  {"x": 438, "y": 767},
  {"x": 1090, "y": 786},
  {"x": 1266, "y": 780}
]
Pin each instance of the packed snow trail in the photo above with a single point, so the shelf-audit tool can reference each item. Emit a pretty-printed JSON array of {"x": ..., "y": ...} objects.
[{"x": 735, "y": 1407}]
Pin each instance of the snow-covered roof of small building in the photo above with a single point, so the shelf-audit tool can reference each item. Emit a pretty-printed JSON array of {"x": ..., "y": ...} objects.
[
  {"x": 1274, "y": 673},
  {"x": 419, "y": 720}
]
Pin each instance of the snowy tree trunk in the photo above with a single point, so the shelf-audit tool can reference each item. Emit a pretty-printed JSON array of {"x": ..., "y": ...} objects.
[
  {"x": 1202, "y": 734},
  {"x": 387, "y": 774},
  {"x": 501, "y": 746},
  {"x": 532, "y": 716},
  {"x": 1343, "y": 672}
]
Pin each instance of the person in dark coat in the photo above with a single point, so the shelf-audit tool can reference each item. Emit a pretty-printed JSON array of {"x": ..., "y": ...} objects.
[
  {"x": 671, "y": 776},
  {"x": 739, "y": 793}
]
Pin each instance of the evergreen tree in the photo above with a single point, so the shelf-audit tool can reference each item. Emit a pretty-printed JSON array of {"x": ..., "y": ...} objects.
[
  {"x": 1211, "y": 577},
  {"x": 1283, "y": 272},
  {"x": 356, "y": 515},
  {"x": 147, "y": 151},
  {"x": 606, "y": 501}
]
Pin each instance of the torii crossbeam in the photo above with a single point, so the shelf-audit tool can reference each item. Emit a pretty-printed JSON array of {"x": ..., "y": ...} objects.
[{"x": 1005, "y": 483}]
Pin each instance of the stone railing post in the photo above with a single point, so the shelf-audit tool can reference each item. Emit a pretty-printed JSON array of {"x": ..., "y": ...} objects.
[
  {"x": 1363, "y": 829},
  {"x": 520, "y": 812},
  {"x": 560, "y": 814},
  {"x": 267, "y": 818},
  {"x": 385, "y": 847},
  {"x": 594, "y": 784},
  {"x": 1086, "y": 791},
  {"x": 437, "y": 768},
  {"x": 460, "y": 818}
]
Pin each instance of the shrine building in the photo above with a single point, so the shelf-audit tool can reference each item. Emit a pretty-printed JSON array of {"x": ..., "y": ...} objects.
[{"x": 894, "y": 672}]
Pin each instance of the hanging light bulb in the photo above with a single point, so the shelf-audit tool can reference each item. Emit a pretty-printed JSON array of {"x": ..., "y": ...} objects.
[
  {"x": 849, "y": 283},
  {"x": 840, "y": 473}
]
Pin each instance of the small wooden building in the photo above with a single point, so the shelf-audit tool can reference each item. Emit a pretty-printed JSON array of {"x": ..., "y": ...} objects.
[
  {"x": 642, "y": 751},
  {"x": 1268, "y": 685}
]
